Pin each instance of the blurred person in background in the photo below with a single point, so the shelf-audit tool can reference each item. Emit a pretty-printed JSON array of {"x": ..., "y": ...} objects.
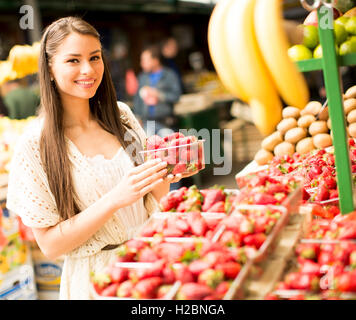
[
  {"x": 3, "y": 109},
  {"x": 169, "y": 50},
  {"x": 158, "y": 91},
  {"x": 21, "y": 101}
]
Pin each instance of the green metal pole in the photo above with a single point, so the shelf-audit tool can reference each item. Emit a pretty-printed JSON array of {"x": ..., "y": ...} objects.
[{"x": 336, "y": 110}]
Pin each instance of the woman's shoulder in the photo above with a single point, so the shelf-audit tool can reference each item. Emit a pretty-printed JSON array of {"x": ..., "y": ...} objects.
[{"x": 30, "y": 138}]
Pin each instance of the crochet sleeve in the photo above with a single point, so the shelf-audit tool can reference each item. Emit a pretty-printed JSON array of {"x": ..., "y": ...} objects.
[{"x": 29, "y": 195}]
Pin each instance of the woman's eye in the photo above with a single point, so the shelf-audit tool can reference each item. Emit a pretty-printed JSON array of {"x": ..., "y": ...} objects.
[
  {"x": 73, "y": 60},
  {"x": 94, "y": 58}
]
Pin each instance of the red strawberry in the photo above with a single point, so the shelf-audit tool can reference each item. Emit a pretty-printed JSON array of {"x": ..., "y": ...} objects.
[
  {"x": 155, "y": 142},
  {"x": 222, "y": 289},
  {"x": 125, "y": 289},
  {"x": 173, "y": 136},
  {"x": 168, "y": 275},
  {"x": 118, "y": 274},
  {"x": 182, "y": 207},
  {"x": 334, "y": 193},
  {"x": 263, "y": 198},
  {"x": 308, "y": 266},
  {"x": 322, "y": 193},
  {"x": 172, "y": 232},
  {"x": 143, "y": 273},
  {"x": 183, "y": 141},
  {"x": 302, "y": 281},
  {"x": 135, "y": 245},
  {"x": 346, "y": 282},
  {"x": 198, "y": 266},
  {"x": 147, "y": 255},
  {"x": 256, "y": 240},
  {"x": 169, "y": 251},
  {"x": 193, "y": 291},
  {"x": 179, "y": 168},
  {"x": 197, "y": 224},
  {"x": 183, "y": 274},
  {"x": 211, "y": 197},
  {"x": 230, "y": 239},
  {"x": 110, "y": 291},
  {"x": 147, "y": 288},
  {"x": 230, "y": 269},
  {"x": 100, "y": 281},
  {"x": 217, "y": 207},
  {"x": 168, "y": 202},
  {"x": 182, "y": 225}
]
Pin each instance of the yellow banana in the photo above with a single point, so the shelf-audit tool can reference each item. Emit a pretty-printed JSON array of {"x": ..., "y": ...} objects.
[
  {"x": 218, "y": 50},
  {"x": 273, "y": 43},
  {"x": 249, "y": 66}
]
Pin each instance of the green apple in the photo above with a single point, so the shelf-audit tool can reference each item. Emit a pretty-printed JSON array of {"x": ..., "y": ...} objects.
[
  {"x": 348, "y": 47},
  {"x": 340, "y": 33},
  {"x": 299, "y": 52}
]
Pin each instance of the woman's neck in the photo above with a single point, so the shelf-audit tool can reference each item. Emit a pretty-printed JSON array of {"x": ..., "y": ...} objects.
[{"x": 76, "y": 113}]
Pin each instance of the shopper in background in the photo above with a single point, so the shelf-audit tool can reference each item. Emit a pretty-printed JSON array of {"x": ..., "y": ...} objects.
[
  {"x": 169, "y": 50},
  {"x": 75, "y": 177},
  {"x": 20, "y": 101},
  {"x": 158, "y": 91},
  {"x": 3, "y": 109}
]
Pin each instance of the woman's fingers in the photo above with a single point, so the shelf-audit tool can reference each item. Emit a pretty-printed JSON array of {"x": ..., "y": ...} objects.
[
  {"x": 146, "y": 165},
  {"x": 150, "y": 171},
  {"x": 151, "y": 179},
  {"x": 150, "y": 187}
]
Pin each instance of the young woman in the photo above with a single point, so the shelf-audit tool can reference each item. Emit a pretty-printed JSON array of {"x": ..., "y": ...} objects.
[{"x": 76, "y": 177}]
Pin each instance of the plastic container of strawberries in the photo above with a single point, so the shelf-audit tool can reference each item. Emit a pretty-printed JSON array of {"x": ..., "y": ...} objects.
[{"x": 182, "y": 159}]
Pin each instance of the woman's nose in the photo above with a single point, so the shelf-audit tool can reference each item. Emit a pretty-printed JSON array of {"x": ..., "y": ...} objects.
[{"x": 86, "y": 68}]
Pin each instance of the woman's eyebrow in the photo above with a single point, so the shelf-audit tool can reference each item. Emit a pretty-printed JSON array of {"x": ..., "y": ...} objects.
[{"x": 79, "y": 55}]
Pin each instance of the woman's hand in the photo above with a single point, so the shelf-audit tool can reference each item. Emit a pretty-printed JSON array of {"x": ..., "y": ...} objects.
[{"x": 139, "y": 181}]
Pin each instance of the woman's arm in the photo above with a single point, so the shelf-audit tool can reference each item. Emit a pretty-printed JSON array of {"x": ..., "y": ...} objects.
[{"x": 67, "y": 235}]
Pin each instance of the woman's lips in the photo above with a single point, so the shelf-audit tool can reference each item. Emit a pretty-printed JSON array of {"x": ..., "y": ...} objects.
[{"x": 85, "y": 83}]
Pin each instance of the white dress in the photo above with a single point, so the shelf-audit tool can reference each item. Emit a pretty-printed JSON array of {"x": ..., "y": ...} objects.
[{"x": 30, "y": 197}]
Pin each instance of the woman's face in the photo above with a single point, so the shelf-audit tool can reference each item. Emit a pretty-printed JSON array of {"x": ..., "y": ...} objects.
[{"x": 77, "y": 67}]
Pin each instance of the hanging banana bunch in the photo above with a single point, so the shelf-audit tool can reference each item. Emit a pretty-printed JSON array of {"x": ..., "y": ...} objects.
[
  {"x": 249, "y": 50},
  {"x": 22, "y": 61}
]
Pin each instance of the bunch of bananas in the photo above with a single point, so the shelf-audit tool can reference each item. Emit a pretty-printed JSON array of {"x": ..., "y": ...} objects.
[
  {"x": 22, "y": 61},
  {"x": 249, "y": 50}
]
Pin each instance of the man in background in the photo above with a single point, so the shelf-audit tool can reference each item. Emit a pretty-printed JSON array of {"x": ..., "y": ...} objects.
[
  {"x": 21, "y": 102},
  {"x": 158, "y": 91}
]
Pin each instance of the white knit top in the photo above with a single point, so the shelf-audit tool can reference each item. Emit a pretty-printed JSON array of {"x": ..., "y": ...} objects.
[{"x": 30, "y": 197}]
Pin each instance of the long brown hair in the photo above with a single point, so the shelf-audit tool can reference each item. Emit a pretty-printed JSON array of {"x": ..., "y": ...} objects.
[{"x": 103, "y": 106}]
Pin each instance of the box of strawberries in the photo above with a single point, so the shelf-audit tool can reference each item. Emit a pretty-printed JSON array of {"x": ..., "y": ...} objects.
[{"x": 183, "y": 154}]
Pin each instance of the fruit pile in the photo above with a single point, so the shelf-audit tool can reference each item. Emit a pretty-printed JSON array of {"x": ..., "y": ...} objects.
[
  {"x": 325, "y": 268},
  {"x": 215, "y": 199},
  {"x": 263, "y": 189},
  {"x": 183, "y": 154},
  {"x": 344, "y": 32},
  {"x": 305, "y": 130},
  {"x": 145, "y": 270}
]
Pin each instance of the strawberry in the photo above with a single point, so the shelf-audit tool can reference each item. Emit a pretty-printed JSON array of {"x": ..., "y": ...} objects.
[
  {"x": 173, "y": 136},
  {"x": 155, "y": 271},
  {"x": 230, "y": 269},
  {"x": 183, "y": 274},
  {"x": 179, "y": 168},
  {"x": 230, "y": 239},
  {"x": 193, "y": 291},
  {"x": 256, "y": 240},
  {"x": 100, "y": 281},
  {"x": 168, "y": 275},
  {"x": 263, "y": 198},
  {"x": 217, "y": 256},
  {"x": 163, "y": 290},
  {"x": 348, "y": 231},
  {"x": 125, "y": 289},
  {"x": 118, "y": 274},
  {"x": 155, "y": 142},
  {"x": 188, "y": 153},
  {"x": 217, "y": 207},
  {"x": 169, "y": 251},
  {"x": 124, "y": 254},
  {"x": 322, "y": 193},
  {"x": 182, "y": 207},
  {"x": 211, "y": 197},
  {"x": 147, "y": 288},
  {"x": 197, "y": 224},
  {"x": 211, "y": 277},
  {"x": 183, "y": 141},
  {"x": 222, "y": 289},
  {"x": 182, "y": 225},
  {"x": 147, "y": 255},
  {"x": 134, "y": 245},
  {"x": 172, "y": 232},
  {"x": 168, "y": 202},
  {"x": 198, "y": 266},
  {"x": 308, "y": 251},
  {"x": 302, "y": 281},
  {"x": 310, "y": 267},
  {"x": 110, "y": 291},
  {"x": 346, "y": 282}
]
